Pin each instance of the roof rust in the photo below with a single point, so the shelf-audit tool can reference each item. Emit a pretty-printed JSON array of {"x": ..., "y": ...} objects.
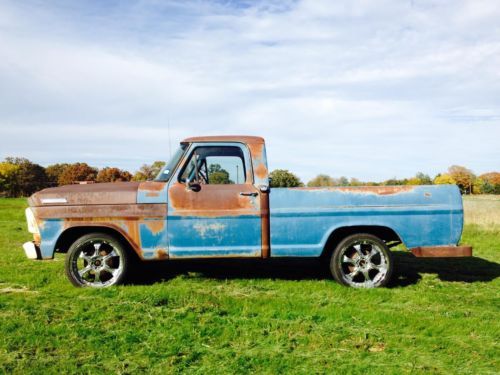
[{"x": 226, "y": 138}]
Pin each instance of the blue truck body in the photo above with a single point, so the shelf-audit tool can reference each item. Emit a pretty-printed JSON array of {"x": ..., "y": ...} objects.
[{"x": 170, "y": 219}]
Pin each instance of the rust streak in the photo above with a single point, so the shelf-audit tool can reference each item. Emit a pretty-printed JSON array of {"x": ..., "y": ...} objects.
[
  {"x": 379, "y": 190},
  {"x": 265, "y": 225},
  {"x": 151, "y": 186},
  {"x": 212, "y": 201},
  {"x": 100, "y": 211},
  {"x": 442, "y": 251},
  {"x": 155, "y": 226}
]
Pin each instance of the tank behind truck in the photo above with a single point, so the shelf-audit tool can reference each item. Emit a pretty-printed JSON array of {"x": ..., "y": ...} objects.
[{"x": 187, "y": 213}]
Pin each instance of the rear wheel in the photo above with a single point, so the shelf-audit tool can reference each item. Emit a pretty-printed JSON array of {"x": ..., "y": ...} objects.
[
  {"x": 97, "y": 260},
  {"x": 362, "y": 261}
]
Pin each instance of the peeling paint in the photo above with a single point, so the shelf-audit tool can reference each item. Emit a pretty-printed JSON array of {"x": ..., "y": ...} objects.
[{"x": 210, "y": 229}]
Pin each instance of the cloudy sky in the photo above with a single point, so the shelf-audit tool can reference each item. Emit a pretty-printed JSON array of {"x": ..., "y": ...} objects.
[{"x": 367, "y": 89}]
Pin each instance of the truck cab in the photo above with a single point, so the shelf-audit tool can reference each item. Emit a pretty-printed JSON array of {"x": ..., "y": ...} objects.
[{"x": 217, "y": 198}]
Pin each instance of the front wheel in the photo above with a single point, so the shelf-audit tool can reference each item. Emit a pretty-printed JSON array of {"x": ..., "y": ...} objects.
[
  {"x": 96, "y": 260},
  {"x": 362, "y": 261}
]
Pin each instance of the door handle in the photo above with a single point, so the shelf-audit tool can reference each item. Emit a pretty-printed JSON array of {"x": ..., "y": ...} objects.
[{"x": 252, "y": 194}]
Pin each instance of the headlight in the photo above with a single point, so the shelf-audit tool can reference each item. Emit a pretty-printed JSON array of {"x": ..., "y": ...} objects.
[{"x": 32, "y": 224}]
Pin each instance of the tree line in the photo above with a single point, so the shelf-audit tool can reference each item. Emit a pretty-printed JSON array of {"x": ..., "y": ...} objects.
[
  {"x": 464, "y": 178},
  {"x": 19, "y": 177}
]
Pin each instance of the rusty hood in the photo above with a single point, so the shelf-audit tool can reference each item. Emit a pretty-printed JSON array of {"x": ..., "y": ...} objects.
[{"x": 91, "y": 194}]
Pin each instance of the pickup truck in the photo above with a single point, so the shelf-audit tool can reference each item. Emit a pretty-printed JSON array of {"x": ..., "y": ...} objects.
[{"x": 213, "y": 199}]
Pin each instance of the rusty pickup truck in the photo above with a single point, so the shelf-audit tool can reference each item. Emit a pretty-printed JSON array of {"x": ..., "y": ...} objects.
[{"x": 213, "y": 199}]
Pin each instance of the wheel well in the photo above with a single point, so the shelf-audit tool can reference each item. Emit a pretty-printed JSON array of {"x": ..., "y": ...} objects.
[
  {"x": 386, "y": 234},
  {"x": 70, "y": 235}
]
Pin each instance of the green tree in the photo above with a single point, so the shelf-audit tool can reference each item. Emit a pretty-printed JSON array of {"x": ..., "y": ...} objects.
[
  {"x": 148, "y": 171},
  {"x": 77, "y": 172},
  {"x": 491, "y": 182},
  {"x": 463, "y": 177},
  {"x": 424, "y": 178},
  {"x": 111, "y": 174},
  {"x": 394, "y": 182},
  {"x": 8, "y": 179},
  {"x": 321, "y": 180},
  {"x": 355, "y": 182},
  {"x": 54, "y": 171},
  {"x": 342, "y": 181},
  {"x": 284, "y": 178},
  {"x": 414, "y": 181},
  {"x": 218, "y": 175},
  {"x": 30, "y": 177},
  {"x": 444, "y": 179},
  {"x": 479, "y": 186}
]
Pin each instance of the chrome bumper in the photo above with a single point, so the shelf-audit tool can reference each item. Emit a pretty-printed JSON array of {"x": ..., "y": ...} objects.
[{"x": 31, "y": 250}]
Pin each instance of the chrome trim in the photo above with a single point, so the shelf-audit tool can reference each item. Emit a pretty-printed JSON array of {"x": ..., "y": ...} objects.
[{"x": 53, "y": 200}]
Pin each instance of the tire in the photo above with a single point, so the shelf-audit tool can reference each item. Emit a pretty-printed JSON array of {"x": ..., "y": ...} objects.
[
  {"x": 362, "y": 261},
  {"x": 97, "y": 260}
]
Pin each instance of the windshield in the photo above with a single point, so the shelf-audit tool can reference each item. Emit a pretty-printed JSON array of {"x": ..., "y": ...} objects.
[{"x": 167, "y": 170}]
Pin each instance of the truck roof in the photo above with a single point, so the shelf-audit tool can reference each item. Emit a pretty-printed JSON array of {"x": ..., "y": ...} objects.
[{"x": 226, "y": 138}]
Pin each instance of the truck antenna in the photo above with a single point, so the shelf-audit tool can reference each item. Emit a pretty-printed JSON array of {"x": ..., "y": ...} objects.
[{"x": 169, "y": 138}]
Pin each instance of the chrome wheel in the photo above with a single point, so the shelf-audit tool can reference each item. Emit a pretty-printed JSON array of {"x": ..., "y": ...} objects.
[
  {"x": 362, "y": 261},
  {"x": 96, "y": 261}
]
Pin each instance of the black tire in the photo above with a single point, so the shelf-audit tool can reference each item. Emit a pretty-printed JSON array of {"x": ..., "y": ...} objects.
[
  {"x": 97, "y": 260},
  {"x": 362, "y": 261}
]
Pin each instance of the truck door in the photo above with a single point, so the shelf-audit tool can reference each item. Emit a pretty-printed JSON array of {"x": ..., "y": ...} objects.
[{"x": 214, "y": 209}]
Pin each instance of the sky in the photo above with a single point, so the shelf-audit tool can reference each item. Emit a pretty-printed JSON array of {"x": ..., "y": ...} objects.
[{"x": 356, "y": 88}]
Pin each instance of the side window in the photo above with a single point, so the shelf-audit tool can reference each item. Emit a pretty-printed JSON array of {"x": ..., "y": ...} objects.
[{"x": 215, "y": 165}]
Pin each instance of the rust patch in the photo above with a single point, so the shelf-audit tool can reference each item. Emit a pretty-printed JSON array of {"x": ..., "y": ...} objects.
[
  {"x": 129, "y": 229},
  {"x": 257, "y": 154},
  {"x": 92, "y": 194},
  {"x": 261, "y": 171},
  {"x": 99, "y": 211},
  {"x": 265, "y": 225},
  {"x": 379, "y": 190},
  {"x": 213, "y": 200},
  {"x": 161, "y": 254},
  {"x": 152, "y": 186},
  {"x": 226, "y": 138},
  {"x": 256, "y": 150},
  {"x": 155, "y": 226},
  {"x": 442, "y": 251}
]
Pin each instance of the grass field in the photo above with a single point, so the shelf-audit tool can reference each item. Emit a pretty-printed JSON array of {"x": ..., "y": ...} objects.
[{"x": 439, "y": 316}]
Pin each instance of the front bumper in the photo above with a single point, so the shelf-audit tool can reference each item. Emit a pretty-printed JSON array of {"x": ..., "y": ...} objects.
[
  {"x": 32, "y": 250},
  {"x": 442, "y": 251}
]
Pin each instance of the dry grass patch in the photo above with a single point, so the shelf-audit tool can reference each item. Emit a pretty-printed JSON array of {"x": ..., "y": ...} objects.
[{"x": 482, "y": 210}]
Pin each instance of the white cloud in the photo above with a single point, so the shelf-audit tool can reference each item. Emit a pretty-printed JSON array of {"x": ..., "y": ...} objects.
[{"x": 357, "y": 88}]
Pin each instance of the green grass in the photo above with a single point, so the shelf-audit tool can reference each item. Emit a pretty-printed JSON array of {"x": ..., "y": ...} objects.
[{"x": 440, "y": 316}]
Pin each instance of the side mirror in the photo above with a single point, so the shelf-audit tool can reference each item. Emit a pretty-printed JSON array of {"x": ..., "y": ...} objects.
[{"x": 193, "y": 185}]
